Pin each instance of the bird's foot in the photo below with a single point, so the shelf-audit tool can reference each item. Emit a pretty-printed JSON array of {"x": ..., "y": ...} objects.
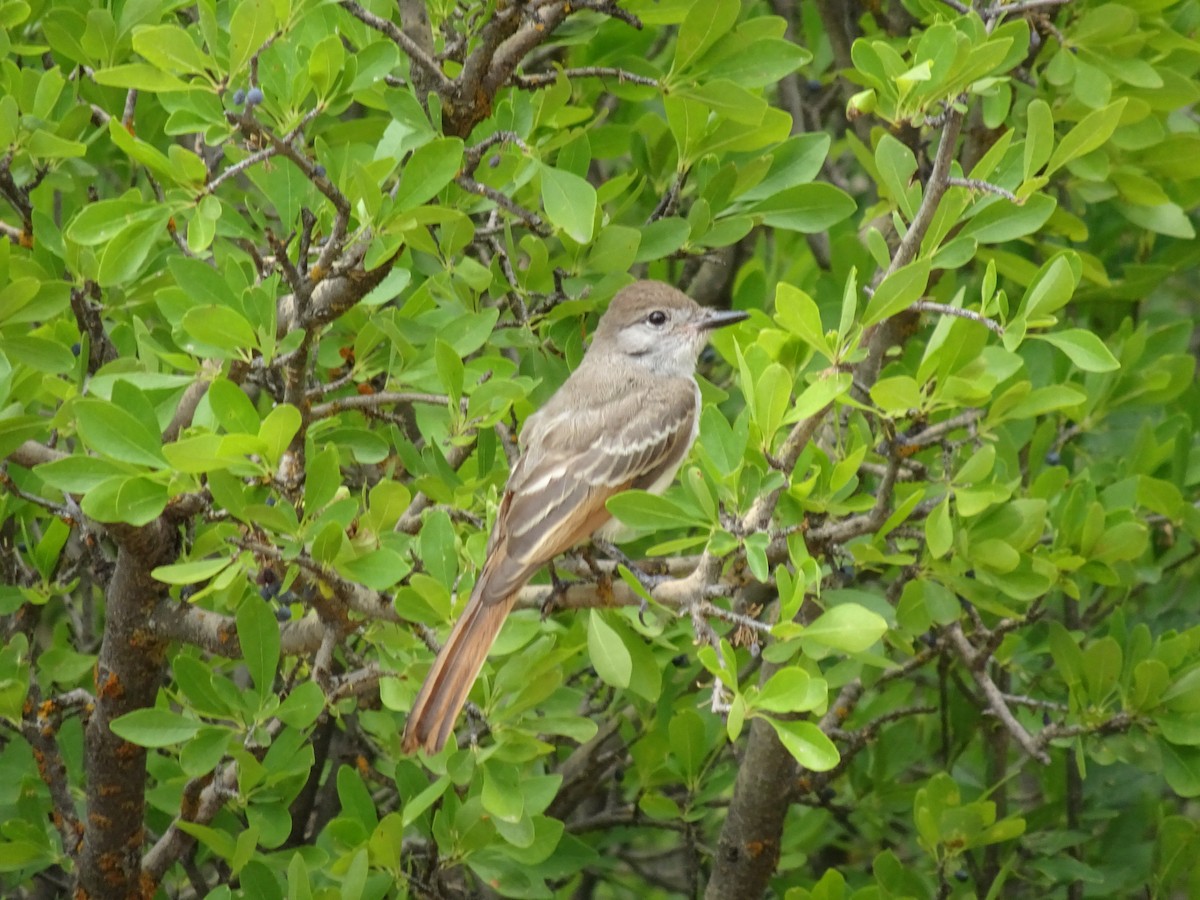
[
  {"x": 558, "y": 590},
  {"x": 646, "y": 580}
]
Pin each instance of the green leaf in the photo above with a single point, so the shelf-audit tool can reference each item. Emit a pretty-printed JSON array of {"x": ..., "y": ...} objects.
[
  {"x": 796, "y": 161},
  {"x": 1051, "y": 288},
  {"x": 807, "y": 743},
  {"x": 689, "y": 748},
  {"x": 302, "y": 706},
  {"x": 278, "y": 429},
  {"x": 250, "y": 25},
  {"x": 897, "y": 292},
  {"x": 502, "y": 795},
  {"x": 1039, "y": 136},
  {"x": 170, "y": 48},
  {"x": 1181, "y": 766},
  {"x": 154, "y": 727},
  {"x": 140, "y": 77},
  {"x": 1084, "y": 349},
  {"x": 41, "y": 355},
  {"x": 450, "y": 369},
  {"x": 705, "y": 24},
  {"x": 233, "y": 408},
  {"x": 1163, "y": 218},
  {"x": 135, "y": 500},
  {"x": 806, "y": 208},
  {"x": 1091, "y": 131},
  {"x": 570, "y": 203},
  {"x": 798, "y": 313},
  {"x": 643, "y": 509},
  {"x": 192, "y": 572},
  {"x": 728, "y": 100},
  {"x": 897, "y": 165},
  {"x": 607, "y": 651},
  {"x": 1001, "y": 221},
  {"x": 789, "y": 690},
  {"x": 847, "y": 627},
  {"x": 258, "y": 634},
  {"x": 222, "y": 328},
  {"x": 661, "y": 238},
  {"x": 772, "y": 393},
  {"x": 428, "y": 170},
  {"x": 688, "y": 121}
]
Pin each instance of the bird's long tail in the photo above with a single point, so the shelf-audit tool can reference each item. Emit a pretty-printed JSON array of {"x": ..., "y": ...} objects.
[{"x": 449, "y": 681}]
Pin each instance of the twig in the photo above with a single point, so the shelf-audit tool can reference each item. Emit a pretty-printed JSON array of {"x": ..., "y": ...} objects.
[
  {"x": 939, "y": 430},
  {"x": 40, "y": 730},
  {"x": 130, "y": 106},
  {"x": 945, "y": 310},
  {"x": 374, "y": 401},
  {"x": 939, "y": 181},
  {"x": 717, "y": 612},
  {"x": 472, "y": 155},
  {"x": 237, "y": 168},
  {"x": 667, "y": 202},
  {"x": 441, "y": 82},
  {"x": 976, "y": 664},
  {"x": 976, "y": 184},
  {"x": 1002, "y": 9},
  {"x": 531, "y": 219},
  {"x": 536, "y": 80}
]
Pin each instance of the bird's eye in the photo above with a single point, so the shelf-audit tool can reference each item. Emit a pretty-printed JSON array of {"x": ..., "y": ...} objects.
[{"x": 657, "y": 318}]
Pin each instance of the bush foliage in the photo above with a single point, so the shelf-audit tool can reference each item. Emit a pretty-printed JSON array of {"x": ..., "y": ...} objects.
[{"x": 279, "y": 282}]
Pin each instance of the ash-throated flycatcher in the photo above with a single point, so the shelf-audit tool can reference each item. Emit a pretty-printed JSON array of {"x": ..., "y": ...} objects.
[{"x": 624, "y": 419}]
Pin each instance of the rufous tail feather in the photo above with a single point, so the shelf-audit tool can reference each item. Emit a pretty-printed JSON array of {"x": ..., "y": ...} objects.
[{"x": 449, "y": 681}]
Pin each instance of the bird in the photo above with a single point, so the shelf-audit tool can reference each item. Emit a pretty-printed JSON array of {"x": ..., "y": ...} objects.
[{"x": 624, "y": 419}]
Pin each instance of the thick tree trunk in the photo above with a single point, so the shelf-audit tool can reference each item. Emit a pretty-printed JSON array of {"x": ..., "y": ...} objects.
[{"x": 129, "y": 671}]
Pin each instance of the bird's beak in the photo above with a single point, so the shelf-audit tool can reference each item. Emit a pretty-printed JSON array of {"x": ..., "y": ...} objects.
[{"x": 719, "y": 318}]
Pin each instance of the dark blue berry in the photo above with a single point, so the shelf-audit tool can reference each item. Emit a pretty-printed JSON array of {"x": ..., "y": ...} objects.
[
  {"x": 1053, "y": 458},
  {"x": 254, "y": 96},
  {"x": 239, "y": 97},
  {"x": 75, "y": 348},
  {"x": 319, "y": 170},
  {"x": 283, "y": 614}
]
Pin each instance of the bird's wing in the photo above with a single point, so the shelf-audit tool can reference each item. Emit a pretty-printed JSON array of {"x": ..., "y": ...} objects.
[{"x": 574, "y": 460}]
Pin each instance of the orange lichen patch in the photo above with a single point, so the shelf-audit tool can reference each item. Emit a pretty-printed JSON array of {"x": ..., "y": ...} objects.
[
  {"x": 128, "y": 751},
  {"x": 109, "y": 790},
  {"x": 364, "y": 389},
  {"x": 755, "y": 849},
  {"x": 316, "y": 273},
  {"x": 110, "y": 687}
]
